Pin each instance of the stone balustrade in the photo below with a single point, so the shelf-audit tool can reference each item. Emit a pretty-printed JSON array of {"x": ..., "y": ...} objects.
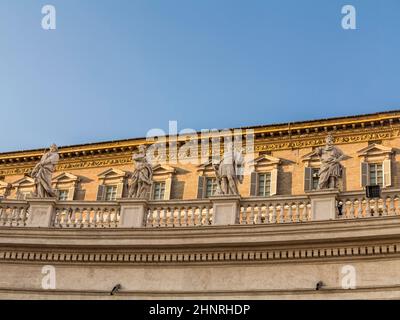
[
  {"x": 131, "y": 213},
  {"x": 275, "y": 210},
  {"x": 74, "y": 214},
  {"x": 13, "y": 213},
  {"x": 355, "y": 205},
  {"x": 179, "y": 213}
]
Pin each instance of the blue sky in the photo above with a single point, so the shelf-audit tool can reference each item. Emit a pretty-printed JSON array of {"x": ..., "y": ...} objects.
[{"x": 114, "y": 69}]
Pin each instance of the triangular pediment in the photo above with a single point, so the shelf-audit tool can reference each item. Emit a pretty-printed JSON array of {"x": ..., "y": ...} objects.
[
  {"x": 163, "y": 169},
  {"x": 65, "y": 177},
  {"x": 23, "y": 181},
  {"x": 112, "y": 173},
  {"x": 265, "y": 160},
  {"x": 374, "y": 149},
  {"x": 310, "y": 156}
]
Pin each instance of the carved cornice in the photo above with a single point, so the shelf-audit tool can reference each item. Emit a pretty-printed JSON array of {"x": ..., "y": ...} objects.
[{"x": 200, "y": 257}]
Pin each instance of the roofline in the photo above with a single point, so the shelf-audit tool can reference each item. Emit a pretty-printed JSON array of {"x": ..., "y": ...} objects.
[{"x": 268, "y": 127}]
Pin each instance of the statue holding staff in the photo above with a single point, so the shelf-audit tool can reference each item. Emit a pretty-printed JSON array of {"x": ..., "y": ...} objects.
[
  {"x": 43, "y": 171},
  {"x": 331, "y": 169},
  {"x": 142, "y": 178},
  {"x": 228, "y": 171}
]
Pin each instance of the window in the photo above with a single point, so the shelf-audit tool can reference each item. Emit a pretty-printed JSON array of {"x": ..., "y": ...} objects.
[
  {"x": 264, "y": 184},
  {"x": 111, "y": 193},
  {"x": 62, "y": 195},
  {"x": 211, "y": 187},
  {"x": 159, "y": 190},
  {"x": 25, "y": 195},
  {"x": 315, "y": 178},
  {"x": 375, "y": 174}
]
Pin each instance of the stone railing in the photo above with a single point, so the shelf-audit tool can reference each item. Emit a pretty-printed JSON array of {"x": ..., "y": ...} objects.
[
  {"x": 129, "y": 213},
  {"x": 179, "y": 213},
  {"x": 13, "y": 213},
  {"x": 77, "y": 214},
  {"x": 354, "y": 205},
  {"x": 275, "y": 210}
]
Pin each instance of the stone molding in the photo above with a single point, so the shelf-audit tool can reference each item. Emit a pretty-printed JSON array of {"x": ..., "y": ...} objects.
[
  {"x": 114, "y": 154},
  {"x": 376, "y": 238}
]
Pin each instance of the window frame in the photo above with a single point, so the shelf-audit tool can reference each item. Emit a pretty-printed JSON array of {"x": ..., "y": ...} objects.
[
  {"x": 113, "y": 193},
  {"x": 161, "y": 195}
]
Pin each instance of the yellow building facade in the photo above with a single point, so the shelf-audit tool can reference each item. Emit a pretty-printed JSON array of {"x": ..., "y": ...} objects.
[
  {"x": 286, "y": 148},
  {"x": 275, "y": 240}
]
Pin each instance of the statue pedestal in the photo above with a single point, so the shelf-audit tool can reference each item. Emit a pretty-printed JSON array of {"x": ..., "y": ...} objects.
[
  {"x": 42, "y": 211},
  {"x": 323, "y": 204},
  {"x": 133, "y": 212},
  {"x": 226, "y": 209}
]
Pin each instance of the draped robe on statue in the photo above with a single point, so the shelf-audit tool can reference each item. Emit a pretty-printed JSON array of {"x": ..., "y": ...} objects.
[
  {"x": 330, "y": 165},
  {"x": 42, "y": 174}
]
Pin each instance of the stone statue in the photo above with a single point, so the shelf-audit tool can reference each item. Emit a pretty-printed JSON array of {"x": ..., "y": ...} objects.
[
  {"x": 331, "y": 170},
  {"x": 43, "y": 172},
  {"x": 142, "y": 178},
  {"x": 228, "y": 171}
]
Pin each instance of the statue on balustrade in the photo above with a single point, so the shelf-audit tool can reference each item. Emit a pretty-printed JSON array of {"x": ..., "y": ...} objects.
[
  {"x": 43, "y": 172},
  {"x": 229, "y": 171},
  {"x": 142, "y": 178},
  {"x": 331, "y": 169}
]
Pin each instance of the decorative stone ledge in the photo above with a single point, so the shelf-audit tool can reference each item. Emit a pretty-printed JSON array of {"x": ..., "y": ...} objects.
[
  {"x": 41, "y": 212},
  {"x": 226, "y": 209},
  {"x": 133, "y": 212}
]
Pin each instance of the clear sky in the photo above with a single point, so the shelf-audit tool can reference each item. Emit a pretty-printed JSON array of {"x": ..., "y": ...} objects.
[{"x": 114, "y": 69}]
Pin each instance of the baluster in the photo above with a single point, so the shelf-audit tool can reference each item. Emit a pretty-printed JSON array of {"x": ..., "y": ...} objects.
[
  {"x": 384, "y": 207},
  {"x": 108, "y": 218},
  {"x": 392, "y": 210},
  {"x": 80, "y": 216},
  {"x": 158, "y": 217},
  {"x": 186, "y": 217},
  {"x": 360, "y": 209},
  {"x": 252, "y": 213},
  {"x": 56, "y": 217},
  {"x": 242, "y": 215},
  {"x": 23, "y": 216},
  {"x": 73, "y": 217},
  {"x": 304, "y": 216},
  {"x": 208, "y": 222},
  {"x": 290, "y": 213},
  {"x": 273, "y": 217},
  {"x": 296, "y": 212},
  {"x": 60, "y": 219},
  {"x": 65, "y": 213},
  {"x": 282, "y": 213},
  {"x": 2, "y": 214},
  {"x": 201, "y": 218},
  {"x": 192, "y": 217},
  {"x": 351, "y": 213},
  {"x": 258, "y": 217},
  {"x": 98, "y": 217},
  {"x": 367, "y": 209},
  {"x": 376, "y": 208},
  {"x": 13, "y": 216},
  {"x": 171, "y": 220},
  {"x": 85, "y": 217}
]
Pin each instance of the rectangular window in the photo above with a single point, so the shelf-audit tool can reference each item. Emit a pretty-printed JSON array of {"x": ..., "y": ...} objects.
[
  {"x": 25, "y": 195},
  {"x": 375, "y": 174},
  {"x": 159, "y": 190},
  {"x": 211, "y": 187},
  {"x": 264, "y": 184},
  {"x": 62, "y": 195},
  {"x": 111, "y": 193},
  {"x": 315, "y": 178}
]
